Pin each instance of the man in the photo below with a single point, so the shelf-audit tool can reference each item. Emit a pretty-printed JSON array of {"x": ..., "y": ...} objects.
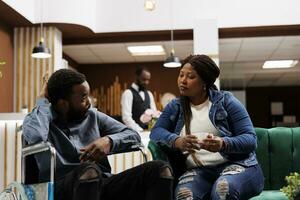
[
  {"x": 137, "y": 99},
  {"x": 84, "y": 136}
]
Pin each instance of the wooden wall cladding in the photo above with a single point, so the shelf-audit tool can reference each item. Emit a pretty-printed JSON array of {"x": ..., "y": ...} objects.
[{"x": 108, "y": 99}]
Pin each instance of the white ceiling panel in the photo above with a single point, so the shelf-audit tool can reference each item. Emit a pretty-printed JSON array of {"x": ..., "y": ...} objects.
[
  {"x": 291, "y": 40},
  {"x": 262, "y": 40},
  {"x": 230, "y": 41},
  {"x": 88, "y": 60},
  {"x": 149, "y": 58},
  {"x": 118, "y": 59},
  {"x": 251, "y": 56}
]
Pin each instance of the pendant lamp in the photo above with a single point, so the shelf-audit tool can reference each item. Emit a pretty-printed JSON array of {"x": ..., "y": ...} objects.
[
  {"x": 41, "y": 51},
  {"x": 172, "y": 61}
]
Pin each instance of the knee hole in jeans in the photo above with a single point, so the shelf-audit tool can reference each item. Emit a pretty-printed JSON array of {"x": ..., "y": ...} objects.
[
  {"x": 184, "y": 194},
  {"x": 222, "y": 188},
  {"x": 165, "y": 172},
  {"x": 89, "y": 174}
]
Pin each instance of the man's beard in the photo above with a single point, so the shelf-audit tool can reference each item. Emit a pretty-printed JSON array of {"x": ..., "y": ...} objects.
[
  {"x": 141, "y": 87},
  {"x": 77, "y": 114}
]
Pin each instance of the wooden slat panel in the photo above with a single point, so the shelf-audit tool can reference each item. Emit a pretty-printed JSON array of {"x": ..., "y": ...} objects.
[
  {"x": 5, "y": 155},
  {"x": 18, "y": 70},
  {"x": 16, "y": 153},
  {"x": 52, "y": 51},
  {"x": 47, "y": 42},
  {"x": 35, "y": 66},
  {"x": 30, "y": 71},
  {"x": 24, "y": 66}
]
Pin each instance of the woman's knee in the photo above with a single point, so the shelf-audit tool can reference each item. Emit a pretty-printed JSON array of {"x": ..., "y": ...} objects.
[
  {"x": 221, "y": 190},
  {"x": 185, "y": 188},
  {"x": 226, "y": 189},
  {"x": 184, "y": 193}
]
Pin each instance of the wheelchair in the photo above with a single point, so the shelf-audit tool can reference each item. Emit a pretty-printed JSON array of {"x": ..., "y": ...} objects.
[{"x": 30, "y": 188}]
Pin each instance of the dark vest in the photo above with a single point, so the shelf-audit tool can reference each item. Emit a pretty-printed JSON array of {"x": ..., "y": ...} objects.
[{"x": 139, "y": 106}]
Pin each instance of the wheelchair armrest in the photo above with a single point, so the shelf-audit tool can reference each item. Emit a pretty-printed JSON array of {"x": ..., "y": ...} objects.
[
  {"x": 136, "y": 147},
  {"x": 157, "y": 152},
  {"x": 38, "y": 148}
]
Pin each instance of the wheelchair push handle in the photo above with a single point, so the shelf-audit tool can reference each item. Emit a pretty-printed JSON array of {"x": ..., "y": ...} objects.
[{"x": 38, "y": 148}]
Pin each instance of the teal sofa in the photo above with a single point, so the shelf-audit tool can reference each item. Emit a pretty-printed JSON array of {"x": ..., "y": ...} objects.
[{"x": 278, "y": 153}]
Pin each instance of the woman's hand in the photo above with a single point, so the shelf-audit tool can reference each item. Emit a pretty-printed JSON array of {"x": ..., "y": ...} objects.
[
  {"x": 212, "y": 143},
  {"x": 188, "y": 143},
  {"x": 96, "y": 150}
]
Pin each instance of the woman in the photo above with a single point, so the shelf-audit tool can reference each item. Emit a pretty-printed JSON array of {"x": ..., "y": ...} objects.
[{"x": 213, "y": 129}]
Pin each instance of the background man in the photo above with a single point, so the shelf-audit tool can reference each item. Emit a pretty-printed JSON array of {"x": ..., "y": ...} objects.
[{"x": 137, "y": 99}]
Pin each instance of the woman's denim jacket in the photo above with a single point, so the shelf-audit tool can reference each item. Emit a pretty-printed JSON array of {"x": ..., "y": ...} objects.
[{"x": 228, "y": 116}]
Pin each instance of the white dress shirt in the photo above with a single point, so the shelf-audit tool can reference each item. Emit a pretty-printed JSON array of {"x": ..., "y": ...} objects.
[
  {"x": 126, "y": 104},
  {"x": 201, "y": 126}
]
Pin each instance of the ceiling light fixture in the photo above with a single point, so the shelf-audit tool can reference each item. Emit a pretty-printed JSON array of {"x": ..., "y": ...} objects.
[
  {"x": 172, "y": 61},
  {"x": 41, "y": 51},
  {"x": 149, "y": 5},
  {"x": 150, "y": 50},
  {"x": 277, "y": 64}
]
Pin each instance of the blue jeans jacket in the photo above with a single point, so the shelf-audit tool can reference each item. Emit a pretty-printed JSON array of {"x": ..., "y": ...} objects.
[{"x": 228, "y": 116}]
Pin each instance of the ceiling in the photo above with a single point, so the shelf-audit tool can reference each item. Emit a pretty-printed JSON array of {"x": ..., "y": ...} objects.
[
  {"x": 242, "y": 50},
  {"x": 241, "y": 59}
]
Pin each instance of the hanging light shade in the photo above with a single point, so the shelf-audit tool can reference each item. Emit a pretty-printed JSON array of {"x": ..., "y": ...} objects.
[
  {"x": 41, "y": 51},
  {"x": 172, "y": 61}
]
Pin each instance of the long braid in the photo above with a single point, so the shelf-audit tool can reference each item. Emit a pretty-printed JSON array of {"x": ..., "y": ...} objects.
[{"x": 187, "y": 114}]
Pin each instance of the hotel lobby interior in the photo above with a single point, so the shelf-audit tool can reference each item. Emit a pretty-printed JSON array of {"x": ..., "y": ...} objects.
[{"x": 98, "y": 38}]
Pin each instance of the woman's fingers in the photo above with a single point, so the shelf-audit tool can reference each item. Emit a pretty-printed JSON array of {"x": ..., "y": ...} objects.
[{"x": 191, "y": 143}]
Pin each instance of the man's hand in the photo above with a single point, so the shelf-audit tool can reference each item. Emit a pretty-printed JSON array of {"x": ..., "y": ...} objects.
[
  {"x": 44, "y": 91},
  {"x": 96, "y": 150},
  {"x": 212, "y": 143},
  {"x": 188, "y": 143}
]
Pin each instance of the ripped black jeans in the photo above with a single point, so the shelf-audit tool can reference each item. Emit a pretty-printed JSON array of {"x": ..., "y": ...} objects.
[
  {"x": 149, "y": 181},
  {"x": 225, "y": 181}
]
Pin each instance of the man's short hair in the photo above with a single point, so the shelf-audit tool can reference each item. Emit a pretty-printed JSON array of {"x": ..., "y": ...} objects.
[
  {"x": 140, "y": 69},
  {"x": 61, "y": 82}
]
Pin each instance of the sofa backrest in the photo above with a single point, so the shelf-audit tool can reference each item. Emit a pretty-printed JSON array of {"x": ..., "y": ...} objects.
[{"x": 278, "y": 153}]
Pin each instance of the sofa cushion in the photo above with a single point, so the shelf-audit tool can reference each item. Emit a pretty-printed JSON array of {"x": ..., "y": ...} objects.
[
  {"x": 296, "y": 149},
  {"x": 270, "y": 195},
  {"x": 262, "y": 154},
  {"x": 281, "y": 156}
]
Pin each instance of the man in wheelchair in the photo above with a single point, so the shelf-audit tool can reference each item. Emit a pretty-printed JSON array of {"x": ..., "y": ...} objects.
[{"x": 82, "y": 137}]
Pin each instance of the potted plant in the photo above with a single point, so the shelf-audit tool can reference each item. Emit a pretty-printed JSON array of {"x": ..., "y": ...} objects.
[{"x": 292, "y": 190}]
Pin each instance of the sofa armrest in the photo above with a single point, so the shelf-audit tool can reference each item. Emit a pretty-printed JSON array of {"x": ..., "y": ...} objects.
[{"x": 156, "y": 151}]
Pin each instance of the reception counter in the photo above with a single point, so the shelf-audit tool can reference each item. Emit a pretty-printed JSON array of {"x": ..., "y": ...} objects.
[{"x": 10, "y": 150}]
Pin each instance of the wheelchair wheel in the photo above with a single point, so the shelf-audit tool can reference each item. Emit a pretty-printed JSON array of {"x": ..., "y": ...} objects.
[
  {"x": 13, "y": 191},
  {"x": 8, "y": 195}
]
